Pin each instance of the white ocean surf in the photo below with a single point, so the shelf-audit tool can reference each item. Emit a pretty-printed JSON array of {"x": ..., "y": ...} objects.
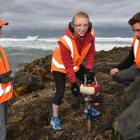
[{"x": 31, "y": 48}]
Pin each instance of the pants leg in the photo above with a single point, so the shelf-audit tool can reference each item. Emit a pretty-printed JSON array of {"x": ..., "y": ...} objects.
[
  {"x": 59, "y": 79},
  {"x": 6, "y": 112},
  {"x": 2, "y": 122},
  {"x": 127, "y": 76}
]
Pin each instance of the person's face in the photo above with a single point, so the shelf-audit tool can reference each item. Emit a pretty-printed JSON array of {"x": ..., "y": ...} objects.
[
  {"x": 136, "y": 30},
  {"x": 81, "y": 26}
]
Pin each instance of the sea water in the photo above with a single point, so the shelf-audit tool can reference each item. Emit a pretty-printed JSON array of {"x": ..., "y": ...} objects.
[{"x": 25, "y": 50}]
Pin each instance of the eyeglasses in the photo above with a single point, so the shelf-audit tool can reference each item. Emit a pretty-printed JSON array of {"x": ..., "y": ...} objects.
[{"x": 81, "y": 25}]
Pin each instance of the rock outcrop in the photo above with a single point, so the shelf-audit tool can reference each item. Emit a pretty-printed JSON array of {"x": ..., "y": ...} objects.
[{"x": 29, "y": 114}]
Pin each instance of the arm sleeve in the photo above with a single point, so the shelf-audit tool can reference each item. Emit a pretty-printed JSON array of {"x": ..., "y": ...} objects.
[
  {"x": 67, "y": 61},
  {"x": 129, "y": 61},
  {"x": 90, "y": 57}
]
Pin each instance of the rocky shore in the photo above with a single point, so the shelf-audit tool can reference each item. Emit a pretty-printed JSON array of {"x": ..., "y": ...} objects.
[{"x": 30, "y": 108}]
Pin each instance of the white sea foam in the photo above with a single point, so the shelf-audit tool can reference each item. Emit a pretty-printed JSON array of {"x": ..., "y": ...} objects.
[
  {"x": 118, "y": 39},
  {"x": 107, "y": 44},
  {"x": 51, "y": 43},
  {"x": 30, "y": 48}
]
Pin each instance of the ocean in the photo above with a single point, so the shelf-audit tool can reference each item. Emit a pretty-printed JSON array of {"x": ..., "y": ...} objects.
[{"x": 25, "y": 50}]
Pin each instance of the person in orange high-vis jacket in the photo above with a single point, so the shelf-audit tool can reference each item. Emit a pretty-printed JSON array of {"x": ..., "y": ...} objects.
[
  {"x": 6, "y": 88},
  {"x": 126, "y": 73},
  {"x": 73, "y": 58}
]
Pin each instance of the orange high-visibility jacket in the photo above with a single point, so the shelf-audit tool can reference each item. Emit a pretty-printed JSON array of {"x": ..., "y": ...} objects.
[
  {"x": 6, "y": 89},
  {"x": 136, "y": 45},
  {"x": 69, "y": 43}
]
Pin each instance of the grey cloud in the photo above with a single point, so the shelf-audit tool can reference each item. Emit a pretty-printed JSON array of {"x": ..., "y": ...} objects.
[{"x": 53, "y": 14}]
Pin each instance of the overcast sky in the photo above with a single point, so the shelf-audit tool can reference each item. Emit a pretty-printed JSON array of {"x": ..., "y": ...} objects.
[{"x": 41, "y": 16}]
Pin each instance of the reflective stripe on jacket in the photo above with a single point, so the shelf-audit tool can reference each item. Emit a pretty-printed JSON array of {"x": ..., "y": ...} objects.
[
  {"x": 136, "y": 45},
  {"x": 57, "y": 64},
  {"x": 6, "y": 89}
]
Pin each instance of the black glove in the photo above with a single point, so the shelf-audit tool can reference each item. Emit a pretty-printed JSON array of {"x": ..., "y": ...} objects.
[
  {"x": 75, "y": 89},
  {"x": 90, "y": 76}
]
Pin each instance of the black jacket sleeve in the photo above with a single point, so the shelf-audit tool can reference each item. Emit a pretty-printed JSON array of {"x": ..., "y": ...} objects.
[{"x": 129, "y": 61}]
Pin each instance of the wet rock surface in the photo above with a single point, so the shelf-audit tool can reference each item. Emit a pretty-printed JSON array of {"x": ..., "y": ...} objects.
[{"x": 30, "y": 111}]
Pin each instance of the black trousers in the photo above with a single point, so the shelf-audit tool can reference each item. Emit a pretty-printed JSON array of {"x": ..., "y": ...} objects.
[{"x": 60, "y": 79}]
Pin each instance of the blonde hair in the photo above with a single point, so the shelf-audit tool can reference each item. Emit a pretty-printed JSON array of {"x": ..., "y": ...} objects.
[{"x": 80, "y": 14}]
